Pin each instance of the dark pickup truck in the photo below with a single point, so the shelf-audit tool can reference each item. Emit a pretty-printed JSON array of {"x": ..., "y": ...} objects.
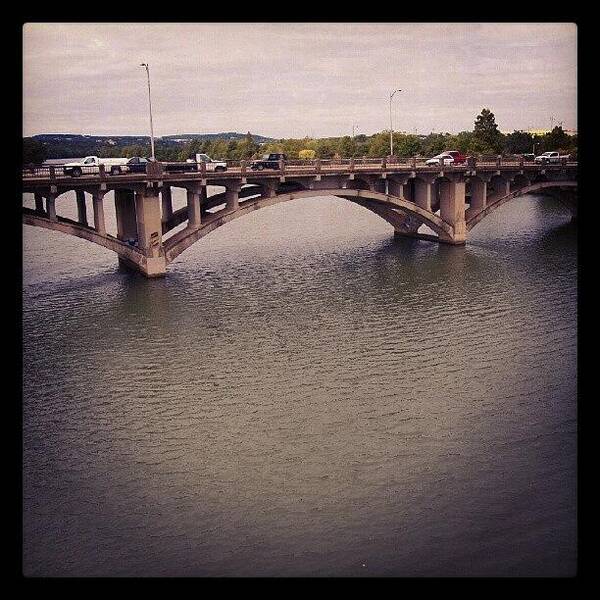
[
  {"x": 179, "y": 167},
  {"x": 268, "y": 161}
]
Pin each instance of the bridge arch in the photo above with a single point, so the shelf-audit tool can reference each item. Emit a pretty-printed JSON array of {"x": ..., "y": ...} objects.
[
  {"x": 527, "y": 189},
  {"x": 390, "y": 208},
  {"x": 73, "y": 228}
]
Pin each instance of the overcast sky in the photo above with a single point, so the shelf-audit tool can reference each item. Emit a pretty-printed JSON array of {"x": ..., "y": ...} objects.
[{"x": 292, "y": 80}]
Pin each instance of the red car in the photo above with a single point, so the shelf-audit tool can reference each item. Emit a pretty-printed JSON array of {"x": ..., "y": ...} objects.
[{"x": 458, "y": 157}]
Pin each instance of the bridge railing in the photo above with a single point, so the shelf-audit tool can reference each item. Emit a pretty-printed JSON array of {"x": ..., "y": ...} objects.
[
  {"x": 60, "y": 171},
  {"x": 293, "y": 166}
]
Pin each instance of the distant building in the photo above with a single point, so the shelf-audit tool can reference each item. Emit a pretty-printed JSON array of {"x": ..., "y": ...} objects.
[{"x": 541, "y": 131}]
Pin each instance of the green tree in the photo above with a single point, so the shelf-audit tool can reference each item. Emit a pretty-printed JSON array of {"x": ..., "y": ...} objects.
[
  {"x": 379, "y": 145},
  {"x": 306, "y": 154},
  {"x": 34, "y": 151},
  {"x": 518, "y": 142},
  {"x": 406, "y": 146},
  {"x": 487, "y": 133},
  {"x": 557, "y": 139},
  {"x": 347, "y": 147}
]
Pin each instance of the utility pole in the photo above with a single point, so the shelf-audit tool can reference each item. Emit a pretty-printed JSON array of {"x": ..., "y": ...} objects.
[
  {"x": 391, "y": 126},
  {"x": 150, "y": 106}
]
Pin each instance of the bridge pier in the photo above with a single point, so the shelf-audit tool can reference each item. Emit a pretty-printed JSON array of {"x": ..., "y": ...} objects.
[
  {"x": 423, "y": 193},
  {"x": 125, "y": 213},
  {"x": 478, "y": 194},
  {"x": 98, "y": 206},
  {"x": 232, "y": 197},
  {"x": 39, "y": 202},
  {"x": 398, "y": 186},
  {"x": 149, "y": 233},
  {"x": 51, "y": 206},
  {"x": 81, "y": 207},
  {"x": 166, "y": 203},
  {"x": 452, "y": 208},
  {"x": 193, "y": 204}
]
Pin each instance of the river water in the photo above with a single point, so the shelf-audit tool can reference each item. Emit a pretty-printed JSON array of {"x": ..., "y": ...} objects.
[{"x": 304, "y": 395}]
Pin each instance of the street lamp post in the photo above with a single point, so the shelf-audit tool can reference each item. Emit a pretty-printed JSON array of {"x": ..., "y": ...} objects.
[
  {"x": 150, "y": 106},
  {"x": 391, "y": 127}
]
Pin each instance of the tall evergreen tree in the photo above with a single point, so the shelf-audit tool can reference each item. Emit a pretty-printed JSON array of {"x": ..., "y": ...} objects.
[{"x": 486, "y": 131}]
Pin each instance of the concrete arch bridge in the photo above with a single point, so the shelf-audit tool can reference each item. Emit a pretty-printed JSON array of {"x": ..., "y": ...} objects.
[{"x": 449, "y": 200}]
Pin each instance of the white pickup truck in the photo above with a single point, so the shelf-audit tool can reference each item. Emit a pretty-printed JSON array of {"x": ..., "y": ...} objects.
[
  {"x": 91, "y": 164},
  {"x": 211, "y": 164},
  {"x": 551, "y": 157}
]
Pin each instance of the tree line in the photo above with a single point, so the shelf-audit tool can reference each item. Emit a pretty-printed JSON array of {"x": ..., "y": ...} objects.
[{"x": 484, "y": 139}]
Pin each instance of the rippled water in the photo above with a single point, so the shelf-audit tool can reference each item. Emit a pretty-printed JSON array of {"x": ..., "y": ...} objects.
[{"x": 304, "y": 395}]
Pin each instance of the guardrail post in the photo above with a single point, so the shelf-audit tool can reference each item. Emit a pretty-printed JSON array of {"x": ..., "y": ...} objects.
[
  {"x": 471, "y": 162},
  {"x": 351, "y": 164},
  {"x": 52, "y": 170},
  {"x": 563, "y": 161},
  {"x": 521, "y": 161},
  {"x": 203, "y": 170},
  {"x": 102, "y": 171},
  {"x": 281, "y": 166},
  {"x": 243, "y": 168},
  {"x": 318, "y": 165},
  {"x": 498, "y": 160},
  {"x": 414, "y": 162},
  {"x": 384, "y": 163}
]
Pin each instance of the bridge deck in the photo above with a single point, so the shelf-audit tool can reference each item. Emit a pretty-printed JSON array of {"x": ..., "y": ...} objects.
[{"x": 37, "y": 179}]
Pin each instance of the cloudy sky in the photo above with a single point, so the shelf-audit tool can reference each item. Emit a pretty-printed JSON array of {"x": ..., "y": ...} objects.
[{"x": 292, "y": 80}]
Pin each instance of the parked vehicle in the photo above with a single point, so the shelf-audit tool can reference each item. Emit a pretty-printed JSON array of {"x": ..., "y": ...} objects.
[
  {"x": 450, "y": 157},
  {"x": 211, "y": 164},
  {"x": 448, "y": 160},
  {"x": 268, "y": 161},
  {"x": 136, "y": 164},
  {"x": 528, "y": 157},
  {"x": 91, "y": 164},
  {"x": 551, "y": 157}
]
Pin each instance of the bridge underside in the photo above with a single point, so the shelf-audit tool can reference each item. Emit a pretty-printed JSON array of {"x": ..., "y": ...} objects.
[{"x": 449, "y": 205}]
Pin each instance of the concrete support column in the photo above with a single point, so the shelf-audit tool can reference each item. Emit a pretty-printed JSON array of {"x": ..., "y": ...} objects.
[
  {"x": 478, "y": 194},
  {"x": 166, "y": 203},
  {"x": 81, "y": 207},
  {"x": 269, "y": 189},
  {"x": 125, "y": 213},
  {"x": 98, "y": 204},
  {"x": 51, "y": 206},
  {"x": 397, "y": 188},
  {"x": 452, "y": 208},
  {"x": 503, "y": 187},
  {"x": 148, "y": 222},
  {"x": 193, "y": 203},
  {"x": 423, "y": 190},
  {"x": 232, "y": 196},
  {"x": 149, "y": 233},
  {"x": 39, "y": 202}
]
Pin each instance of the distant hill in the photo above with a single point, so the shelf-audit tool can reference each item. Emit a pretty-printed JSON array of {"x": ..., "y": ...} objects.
[
  {"x": 74, "y": 145},
  {"x": 228, "y": 135}
]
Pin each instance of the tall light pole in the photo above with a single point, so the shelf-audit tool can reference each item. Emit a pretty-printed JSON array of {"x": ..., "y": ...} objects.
[
  {"x": 150, "y": 105},
  {"x": 391, "y": 127},
  {"x": 353, "y": 126}
]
